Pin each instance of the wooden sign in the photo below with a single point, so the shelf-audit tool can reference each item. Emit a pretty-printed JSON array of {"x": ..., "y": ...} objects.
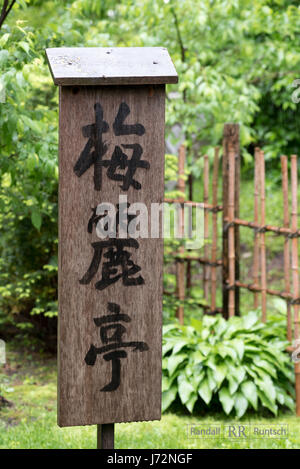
[{"x": 111, "y": 145}]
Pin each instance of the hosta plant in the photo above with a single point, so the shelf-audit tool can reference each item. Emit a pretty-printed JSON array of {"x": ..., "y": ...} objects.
[{"x": 239, "y": 364}]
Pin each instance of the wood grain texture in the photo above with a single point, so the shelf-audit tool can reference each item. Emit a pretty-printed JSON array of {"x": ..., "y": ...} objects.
[
  {"x": 106, "y": 436},
  {"x": 111, "y": 65},
  {"x": 230, "y": 139},
  {"x": 138, "y": 397}
]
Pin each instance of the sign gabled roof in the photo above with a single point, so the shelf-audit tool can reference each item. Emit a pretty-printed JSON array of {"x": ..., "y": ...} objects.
[{"x": 111, "y": 66}]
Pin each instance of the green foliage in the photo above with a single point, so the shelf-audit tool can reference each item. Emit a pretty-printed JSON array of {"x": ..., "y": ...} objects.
[
  {"x": 240, "y": 363},
  {"x": 29, "y": 179},
  {"x": 236, "y": 62},
  {"x": 29, "y": 383}
]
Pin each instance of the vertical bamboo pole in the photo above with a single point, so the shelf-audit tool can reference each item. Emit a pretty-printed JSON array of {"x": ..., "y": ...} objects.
[
  {"x": 231, "y": 237},
  {"x": 295, "y": 273},
  {"x": 263, "y": 266},
  {"x": 286, "y": 251},
  {"x": 188, "y": 263},
  {"x": 206, "y": 227},
  {"x": 256, "y": 220},
  {"x": 180, "y": 266},
  {"x": 230, "y": 140},
  {"x": 214, "y": 230}
]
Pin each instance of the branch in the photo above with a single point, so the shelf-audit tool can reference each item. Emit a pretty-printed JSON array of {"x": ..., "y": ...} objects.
[
  {"x": 179, "y": 37},
  {"x": 5, "y": 10},
  {"x": 182, "y": 48}
]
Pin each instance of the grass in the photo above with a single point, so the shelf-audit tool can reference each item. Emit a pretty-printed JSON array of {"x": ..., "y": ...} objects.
[{"x": 29, "y": 381}]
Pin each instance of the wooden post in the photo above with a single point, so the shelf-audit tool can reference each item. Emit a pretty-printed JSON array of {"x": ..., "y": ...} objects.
[
  {"x": 263, "y": 259},
  {"x": 256, "y": 220},
  {"x": 206, "y": 268},
  {"x": 230, "y": 142},
  {"x": 295, "y": 271},
  {"x": 214, "y": 247},
  {"x": 111, "y": 158},
  {"x": 231, "y": 237},
  {"x": 180, "y": 265},
  {"x": 106, "y": 436},
  {"x": 286, "y": 251}
]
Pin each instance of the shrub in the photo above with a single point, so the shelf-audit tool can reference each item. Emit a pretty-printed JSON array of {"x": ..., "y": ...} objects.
[{"x": 241, "y": 362}]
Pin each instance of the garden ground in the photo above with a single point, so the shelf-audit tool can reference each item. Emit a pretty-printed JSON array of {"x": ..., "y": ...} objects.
[{"x": 29, "y": 382}]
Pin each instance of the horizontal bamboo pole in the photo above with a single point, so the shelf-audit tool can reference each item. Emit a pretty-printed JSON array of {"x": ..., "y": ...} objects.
[
  {"x": 256, "y": 226},
  {"x": 281, "y": 294},
  {"x": 209, "y": 207},
  {"x": 201, "y": 260}
]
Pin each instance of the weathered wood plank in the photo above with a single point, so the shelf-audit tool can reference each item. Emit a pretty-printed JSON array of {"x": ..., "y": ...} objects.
[
  {"x": 138, "y": 396},
  {"x": 111, "y": 66}
]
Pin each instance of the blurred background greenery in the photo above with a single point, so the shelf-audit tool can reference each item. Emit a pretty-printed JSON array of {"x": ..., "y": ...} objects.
[{"x": 237, "y": 61}]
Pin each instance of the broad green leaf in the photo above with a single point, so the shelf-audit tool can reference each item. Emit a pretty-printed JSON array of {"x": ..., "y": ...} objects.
[
  {"x": 191, "y": 402},
  {"x": 266, "y": 367},
  {"x": 233, "y": 384},
  {"x": 226, "y": 351},
  {"x": 25, "y": 46},
  {"x": 36, "y": 219},
  {"x": 220, "y": 373},
  {"x": 289, "y": 402},
  {"x": 165, "y": 383},
  {"x": 266, "y": 402},
  {"x": 168, "y": 397},
  {"x": 185, "y": 389},
  {"x": 240, "y": 404},
  {"x": 169, "y": 327},
  {"x": 196, "y": 378},
  {"x": 267, "y": 388},
  {"x": 250, "y": 319},
  {"x": 174, "y": 361},
  {"x": 204, "y": 391},
  {"x": 167, "y": 347},
  {"x": 4, "y": 39},
  {"x": 211, "y": 380},
  {"x": 226, "y": 400},
  {"x": 239, "y": 347},
  {"x": 179, "y": 345},
  {"x": 249, "y": 390},
  {"x": 238, "y": 372}
]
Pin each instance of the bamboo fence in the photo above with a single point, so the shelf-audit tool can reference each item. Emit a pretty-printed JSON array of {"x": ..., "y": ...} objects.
[{"x": 229, "y": 259}]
